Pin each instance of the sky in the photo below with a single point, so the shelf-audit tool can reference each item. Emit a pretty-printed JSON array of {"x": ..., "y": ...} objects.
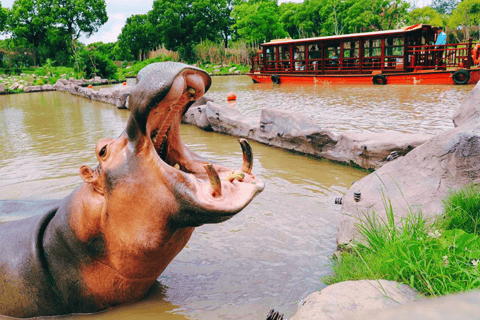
[{"x": 119, "y": 10}]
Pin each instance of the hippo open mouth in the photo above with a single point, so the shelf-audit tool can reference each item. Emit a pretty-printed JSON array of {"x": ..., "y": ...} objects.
[{"x": 163, "y": 94}]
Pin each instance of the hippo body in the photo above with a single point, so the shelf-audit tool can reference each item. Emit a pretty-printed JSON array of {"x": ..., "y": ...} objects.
[{"x": 109, "y": 240}]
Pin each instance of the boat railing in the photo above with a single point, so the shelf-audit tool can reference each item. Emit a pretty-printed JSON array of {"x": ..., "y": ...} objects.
[{"x": 456, "y": 55}]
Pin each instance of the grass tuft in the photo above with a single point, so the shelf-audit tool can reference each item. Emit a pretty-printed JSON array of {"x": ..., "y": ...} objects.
[{"x": 433, "y": 259}]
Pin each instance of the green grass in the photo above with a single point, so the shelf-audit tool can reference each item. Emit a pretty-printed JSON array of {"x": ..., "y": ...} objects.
[
  {"x": 434, "y": 259},
  {"x": 462, "y": 210}
]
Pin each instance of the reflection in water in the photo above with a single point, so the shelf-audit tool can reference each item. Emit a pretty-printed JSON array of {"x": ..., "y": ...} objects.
[
  {"x": 411, "y": 109},
  {"x": 273, "y": 253}
]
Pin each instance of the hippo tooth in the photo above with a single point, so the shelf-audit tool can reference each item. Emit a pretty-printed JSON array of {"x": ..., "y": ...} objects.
[
  {"x": 214, "y": 179},
  {"x": 247, "y": 156}
]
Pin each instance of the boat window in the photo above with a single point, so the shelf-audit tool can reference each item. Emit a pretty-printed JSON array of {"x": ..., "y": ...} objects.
[
  {"x": 285, "y": 53},
  {"x": 299, "y": 52},
  {"x": 373, "y": 48},
  {"x": 394, "y": 46},
  {"x": 333, "y": 51},
  {"x": 270, "y": 53},
  {"x": 314, "y": 52},
  {"x": 351, "y": 49}
]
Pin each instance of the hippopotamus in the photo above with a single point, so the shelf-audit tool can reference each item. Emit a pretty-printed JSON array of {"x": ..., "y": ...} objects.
[{"x": 108, "y": 241}]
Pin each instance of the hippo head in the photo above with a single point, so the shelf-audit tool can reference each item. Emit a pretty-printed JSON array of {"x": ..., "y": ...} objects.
[{"x": 147, "y": 178}]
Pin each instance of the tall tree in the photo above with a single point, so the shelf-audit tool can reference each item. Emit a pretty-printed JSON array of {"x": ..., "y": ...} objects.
[
  {"x": 183, "y": 23},
  {"x": 445, "y": 6},
  {"x": 426, "y": 15},
  {"x": 137, "y": 35},
  {"x": 467, "y": 15},
  {"x": 3, "y": 18},
  {"x": 29, "y": 22},
  {"x": 288, "y": 12},
  {"x": 258, "y": 21},
  {"x": 79, "y": 16}
]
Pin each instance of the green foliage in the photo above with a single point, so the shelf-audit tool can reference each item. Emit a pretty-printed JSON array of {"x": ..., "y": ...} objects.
[
  {"x": 467, "y": 13},
  {"x": 3, "y": 17},
  {"x": 94, "y": 63},
  {"x": 138, "y": 36},
  {"x": 426, "y": 15},
  {"x": 445, "y": 6},
  {"x": 462, "y": 210},
  {"x": 258, "y": 21},
  {"x": 432, "y": 261},
  {"x": 180, "y": 24}
]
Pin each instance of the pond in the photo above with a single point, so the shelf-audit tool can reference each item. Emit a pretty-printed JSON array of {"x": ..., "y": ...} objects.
[{"x": 272, "y": 254}]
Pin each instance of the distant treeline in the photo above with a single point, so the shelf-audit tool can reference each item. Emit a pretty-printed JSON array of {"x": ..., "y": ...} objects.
[{"x": 207, "y": 30}]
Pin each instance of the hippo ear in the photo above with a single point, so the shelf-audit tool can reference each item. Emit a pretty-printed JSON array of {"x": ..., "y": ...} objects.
[{"x": 90, "y": 176}]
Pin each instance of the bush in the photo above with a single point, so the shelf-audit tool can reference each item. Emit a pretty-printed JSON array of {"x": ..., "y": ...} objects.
[{"x": 93, "y": 63}]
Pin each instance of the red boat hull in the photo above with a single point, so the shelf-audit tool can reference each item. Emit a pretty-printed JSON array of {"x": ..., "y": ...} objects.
[{"x": 426, "y": 77}]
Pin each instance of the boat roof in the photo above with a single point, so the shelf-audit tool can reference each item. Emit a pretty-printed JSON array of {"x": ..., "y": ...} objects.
[{"x": 352, "y": 35}]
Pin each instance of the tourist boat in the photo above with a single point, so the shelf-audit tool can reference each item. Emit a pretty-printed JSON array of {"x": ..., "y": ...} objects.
[{"x": 403, "y": 56}]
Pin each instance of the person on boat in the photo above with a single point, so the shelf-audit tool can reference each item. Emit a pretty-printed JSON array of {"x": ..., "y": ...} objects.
[
  {"x": 441, "y": 41},
  {"x": 334, "y": 58},
  {"x": 314, "y": 54}
]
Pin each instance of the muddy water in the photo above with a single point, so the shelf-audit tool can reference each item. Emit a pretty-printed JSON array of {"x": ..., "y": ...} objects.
[
  {"x": 411, "y": 109},
  {"x": 270, "y": 255}
]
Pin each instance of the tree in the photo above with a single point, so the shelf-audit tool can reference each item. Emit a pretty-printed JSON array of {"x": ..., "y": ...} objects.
[
  {"x": 29, "y": 22},
  {"x": 444, "y": 6},
  {"x": 181, "y": 24},
  {"x": 258, "y": 21},
  {"x": 288, "y": 12},
  {"x": 79, "y": 16},
  {"x": 137, "y": 35},
  {"x": 426, "y": 15},
  {"x": 466, "y": 15},
  {"x": 3, "y": 18}
]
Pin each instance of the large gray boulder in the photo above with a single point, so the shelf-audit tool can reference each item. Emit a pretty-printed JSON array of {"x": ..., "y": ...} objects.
[
  {"x": 297, "y": 132},
  {"x": 229, "y": 120},
  {"x": 470, "y": 108},
  {"x": 344, "y": 299},
  {"x": 421, "y": 179}
]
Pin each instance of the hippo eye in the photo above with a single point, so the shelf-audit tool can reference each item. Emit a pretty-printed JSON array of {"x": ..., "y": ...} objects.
[{"x": 103, "y": 151}]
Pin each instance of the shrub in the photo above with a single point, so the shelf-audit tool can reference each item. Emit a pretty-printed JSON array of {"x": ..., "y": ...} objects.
[{"x": 94, "y": 63}]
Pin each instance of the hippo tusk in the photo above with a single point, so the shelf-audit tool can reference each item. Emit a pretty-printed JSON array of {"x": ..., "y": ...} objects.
[
  {"x": 214, "y": 179},
  {"x": 247, "y": 156}
]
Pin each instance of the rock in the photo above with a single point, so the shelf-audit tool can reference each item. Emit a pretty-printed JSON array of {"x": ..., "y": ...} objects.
[
  {"x": 370, "y": 150},
  {"x": 197, "y": 116},
  {"x": 97, "y": 79},
  {"x": 421, "y": 179},
  {"x": 345, "y": 299},
  {"x": 2, "y": 88},
  {"x": 23, "y": 74},
  {"x": 469, "y": 110},
  {"x": 21, "y": 87},
  {"x": 120, "y": 94},
  {"x": 237, "y": 71},
  {"x": 33, "y": 89},
  {"x": 14, "y": 86},
  {"x": 231, "y": 70},
  {"x": 459, "y": 306},
  {"x": 47, "y": 87},
  {"x": 216, "y": 70},
  {"x": 229, "y": 120}
]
